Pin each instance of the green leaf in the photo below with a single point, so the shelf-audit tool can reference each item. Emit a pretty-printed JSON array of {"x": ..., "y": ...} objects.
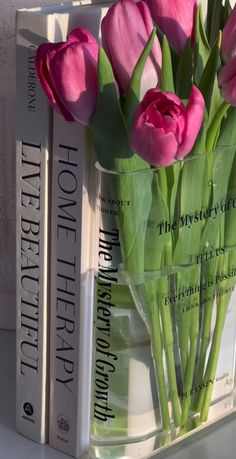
[
  {"x": 166, "y": 81},
  {"x": 202, "y": 49},
  {"x": 109, "y": 130},
  {"x": 228, "y": 132},
  {"x": 225, "y": 13},
  {"x": 159, "y": 212},
  {"x": 209, "y": 74},
  {"x": 214, "y": 129},
  {"x": 191, "y": 179},
  {"x": 214, "y": 8},
  {"x": 200, "y": 143},
  {"x": 216, "y": 100},
  {"x": 133, "y": 96},
  {"x": 184, "y": 78},
  {"x": 230, "y": 220},
  {"x": 174, "y": 54}
]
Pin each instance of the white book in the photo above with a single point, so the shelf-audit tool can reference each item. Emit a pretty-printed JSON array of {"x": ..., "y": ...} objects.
[
  {"x": 33, "y": 171},
  {"x": 72, "y": 219},
  {"x": 33, "y": 140},
  {"x": 71, "y": 290}
]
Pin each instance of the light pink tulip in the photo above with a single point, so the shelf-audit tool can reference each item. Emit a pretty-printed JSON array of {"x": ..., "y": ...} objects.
[
  {"x": 227, "y": 81},
  {"x": 228, "y": 47},
  {"x": 68, "y": 74},
  {"x": 175, "y": 18},
  {"x": 125, "y": 32},
  {"x": 164, "y": 129}
]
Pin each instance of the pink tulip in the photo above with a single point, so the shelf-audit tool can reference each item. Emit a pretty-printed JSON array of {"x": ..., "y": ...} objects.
[
  {"x": 68, "y": 74},
  {"x": 228, "y": 47},
  {"x": 227, "y": 81},
  {"x": 164, "y": 129},
  {"x": 175, "y": 19},
  {"x": 125, "y": 32}
]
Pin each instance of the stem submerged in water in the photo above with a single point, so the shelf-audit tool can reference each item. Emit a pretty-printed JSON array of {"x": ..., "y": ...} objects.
[{"x": 168, "y": 343}]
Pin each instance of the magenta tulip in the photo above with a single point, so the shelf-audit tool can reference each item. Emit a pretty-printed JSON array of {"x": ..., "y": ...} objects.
[
  {"x": 228, "y": 47},
  {"x": 125, "y": 32},
  {"x": 164, "y": 129},
  {"x": 175, "y": 19},
  {"x": 227, "y": 81},
  {"x": 68, "y": 74}
]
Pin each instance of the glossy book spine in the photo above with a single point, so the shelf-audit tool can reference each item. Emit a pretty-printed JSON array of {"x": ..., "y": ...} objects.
[
  {"x": 33, "y": 134},
  {"x": 71, "y": 291},
  {"x": 72, "y": 220}
]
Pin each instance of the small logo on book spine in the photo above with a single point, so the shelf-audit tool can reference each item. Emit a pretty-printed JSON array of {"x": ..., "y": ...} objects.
[
  {"x": 63, "y": 423},
  {"x": 28, "y": 409}
]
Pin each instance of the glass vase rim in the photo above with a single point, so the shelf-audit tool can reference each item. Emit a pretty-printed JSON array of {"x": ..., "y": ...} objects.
[{"x": 151, "y": 169}]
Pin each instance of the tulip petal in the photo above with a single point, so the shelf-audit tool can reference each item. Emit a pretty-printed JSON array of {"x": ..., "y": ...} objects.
[
  {"x": 43, "y": 57},
  {"x": 77, "y": 83},
  {"x": 154, "y": 146},
  {"x": 68, "y": 74},
  {"x": 164, "y": 129},
  {"x": 162, "y": 98},
  {"x": 195, "y": 111},
  {"x": 228, "y": 46},
  {"x": 227, "y": 81},
  {"x": 125, "y": 31},
  {"x": 175, "y": 18},
  {"x": 84, "y": 37}
]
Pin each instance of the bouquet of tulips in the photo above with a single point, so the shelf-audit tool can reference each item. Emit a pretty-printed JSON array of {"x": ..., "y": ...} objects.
[{"x": 158, "y": 95}]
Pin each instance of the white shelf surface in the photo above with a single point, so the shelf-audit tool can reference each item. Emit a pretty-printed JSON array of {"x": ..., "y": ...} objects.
[{"x": 217, "y": 443}]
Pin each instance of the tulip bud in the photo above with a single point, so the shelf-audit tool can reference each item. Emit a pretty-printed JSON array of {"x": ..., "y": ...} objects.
[
  {"x": 126, "y": 29},
  {"x": 164, "y": 129},
  {"x": 228, "y": 47},
  {"x": 227, "y": 81},
  {"x": 68, "y": 74},
  {"x": 175, "y": 19}
]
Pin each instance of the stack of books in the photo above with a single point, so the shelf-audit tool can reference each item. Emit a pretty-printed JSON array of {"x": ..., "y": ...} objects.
[{"x": 55, "y": 209}]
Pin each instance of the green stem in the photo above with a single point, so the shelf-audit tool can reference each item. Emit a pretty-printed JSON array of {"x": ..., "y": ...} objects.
[
  {"x": 150, "y": 312},
  {"x": 157, "y": 352},
  {"x": 204, "y": 342},
  {"x": 183, "y": 318},
  {"x": 204, "y": 399},
  {"x": 193, "y": 342},
  {"x": 168, "y": 343},
  {"x": 183, "y": 328},
  {"x": 213, "y": 358},
  {"x": 189, "y": 378},
  {"x": 163, "y": 185},
  {"x": 207, "y": 300}
]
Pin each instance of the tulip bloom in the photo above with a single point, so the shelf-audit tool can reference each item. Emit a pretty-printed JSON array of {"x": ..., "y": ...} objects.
[
  {"x": 164, "y": 129},
  {"x": 68, "y": 74},
  {"x": 125, "y": 31},
  {"x": 228, "y": 47},
  {"x": 175, "y": 19},
  {"x": 227, "y": 81}
]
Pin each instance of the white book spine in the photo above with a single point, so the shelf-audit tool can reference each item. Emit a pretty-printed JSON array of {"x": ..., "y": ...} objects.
[
  {"x": 71, "y": 291},
  {"x": 33, "y": 184},
  {"x": 71, "y": 273},
  {"x": 33, "y": 139}
]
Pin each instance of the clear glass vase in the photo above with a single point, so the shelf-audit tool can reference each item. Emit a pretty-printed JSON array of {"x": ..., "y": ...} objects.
[{"x": 164, "y": 304}]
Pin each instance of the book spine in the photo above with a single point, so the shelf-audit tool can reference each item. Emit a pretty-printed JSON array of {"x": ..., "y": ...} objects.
[
  {"x": 71, "y": 290},
  {"x": 73, "y": 190},
  {"x": 33, "y": 140}
]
